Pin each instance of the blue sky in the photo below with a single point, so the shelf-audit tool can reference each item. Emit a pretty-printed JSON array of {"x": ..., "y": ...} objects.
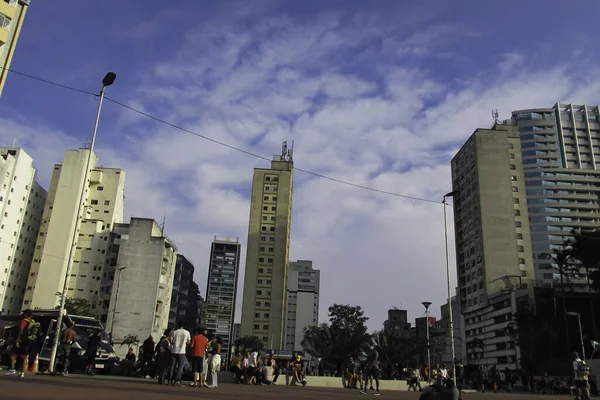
[{"x": 379, "y": 93}]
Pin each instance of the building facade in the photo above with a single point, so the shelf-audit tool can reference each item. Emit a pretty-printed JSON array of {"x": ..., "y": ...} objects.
[
  {"x": 235, "y": 335},
  {"x": 221, "y": 289},
  {"x": 491, "y": 224},
  {"x": 184, "y": 295},
  {"x": 142, "y": 281},
  {"x": 12, "y": 15},
  {"x": 265, "y": 284},
  {"x": 560, "y": 149},
  {"x": 21, "y": 205},
  {"x": 442, "y": 341},
  {"x": 397, "y": 324},
  {"x": 302, "y": 302},
  {"x": 102, "y": 208}
]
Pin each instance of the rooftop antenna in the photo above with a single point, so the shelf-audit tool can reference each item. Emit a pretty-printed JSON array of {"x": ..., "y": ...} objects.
[
  {"x": 14, "y": 142},
  {"x": 290, "y": 153},
  {"x": 162, "y": 226},
  {"x": 284, "y": 151},
  {"x": 495, "y": 116}
]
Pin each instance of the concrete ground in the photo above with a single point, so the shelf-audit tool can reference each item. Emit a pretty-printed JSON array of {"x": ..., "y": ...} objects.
[{"x": 77, "y": 387}]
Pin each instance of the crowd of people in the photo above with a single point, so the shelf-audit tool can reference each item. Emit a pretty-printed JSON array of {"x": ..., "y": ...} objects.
[{"x": 253, "y": 368}]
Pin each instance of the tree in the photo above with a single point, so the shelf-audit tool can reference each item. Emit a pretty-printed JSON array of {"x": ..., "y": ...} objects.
[
  {"x": 318, "y": 342},
  {"x": 80, "y": 307},
  {"x": 349, "y": 331},
  {"x": 249, "y": 343},
  {"x": 585, "y": 249},
  {"x": 131, "y": 341}
]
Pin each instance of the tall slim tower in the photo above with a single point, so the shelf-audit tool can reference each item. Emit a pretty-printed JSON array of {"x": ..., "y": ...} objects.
[
  {"x": 265, "y": 283},
  {"x": 21, "y": 205},
  {"x": 221, "y": 289},
  {"x": 103, "y": 208},
  {"x": 302, "y": 301},
  {"x": 12, "y": 15}
]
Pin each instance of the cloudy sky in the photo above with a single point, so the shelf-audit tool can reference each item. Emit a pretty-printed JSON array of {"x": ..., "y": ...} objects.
[{"x": 379, "y": 94}]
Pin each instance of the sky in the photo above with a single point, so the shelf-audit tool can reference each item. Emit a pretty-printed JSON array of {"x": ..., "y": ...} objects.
[{"x": 379, "y": 94}]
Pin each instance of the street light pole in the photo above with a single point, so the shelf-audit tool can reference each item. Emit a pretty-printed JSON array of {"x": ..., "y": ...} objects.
[
  {"x": 450, "y": 316},
  {"x": 575, "y": 314},
  {"x": 114, "y": 310},
  {"x": 426, "y": 304},
  {"x": 107, "y": 81}
]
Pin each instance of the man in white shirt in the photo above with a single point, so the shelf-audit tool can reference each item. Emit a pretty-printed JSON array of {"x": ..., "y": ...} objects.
[
  {"x": 252, "y": 364},
  {"x": 180, "y": 339}
]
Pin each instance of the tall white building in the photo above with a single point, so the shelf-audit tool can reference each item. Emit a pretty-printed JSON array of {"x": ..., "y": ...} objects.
[
  {"x": 103, "y": 207},
  {"x": 142, "y": 280},
  {"x": 21, "y": 205},
  {"x": 302, "y": 301}
]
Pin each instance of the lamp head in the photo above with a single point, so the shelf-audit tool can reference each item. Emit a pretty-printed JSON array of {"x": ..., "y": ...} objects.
[
  {"x": 109, "y": 79},
  {"x": 426, "y": 304}
]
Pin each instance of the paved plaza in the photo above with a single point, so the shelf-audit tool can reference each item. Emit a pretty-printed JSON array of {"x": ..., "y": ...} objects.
[{"x": 102, "y": 388}]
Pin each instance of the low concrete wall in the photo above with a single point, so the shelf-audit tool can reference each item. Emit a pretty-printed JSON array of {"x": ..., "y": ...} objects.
[{"x": 325, "y": 381}]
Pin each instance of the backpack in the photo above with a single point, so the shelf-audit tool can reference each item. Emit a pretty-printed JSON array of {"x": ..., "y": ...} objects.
[
  {"x": 33, "y": 330},
  {"x": 583, "y": 369}
]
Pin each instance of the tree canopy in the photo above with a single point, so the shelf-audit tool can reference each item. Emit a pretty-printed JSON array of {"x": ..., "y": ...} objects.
[
  {"x": 585, "y": 249},
  {"x": 80, "y": 307},
  {"x": 249, "y": 343}
]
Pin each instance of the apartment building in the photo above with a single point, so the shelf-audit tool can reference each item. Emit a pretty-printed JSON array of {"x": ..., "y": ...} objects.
[
  {"x": 560, "y": 149},
  {"x": 265, "y": 282},
  {"x": 302, "y": 301},
  {"x": 397, "y": 325},
  {"x": 12, "y": 15},
  {"x": 492, "y": 236},
  {"x": 183, "y": 296},
  {"x": 441, "y": 341},
  {"x": 21, "y": 205},
  {"x": 142, "y": 281},
  {"x": 102, "y": 208},
  {"x": 221, "y": 290}
]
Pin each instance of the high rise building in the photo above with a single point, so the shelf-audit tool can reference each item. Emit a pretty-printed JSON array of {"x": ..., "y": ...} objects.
[
  {"x": 21, "y": 205},
  {"x": 441, "y": 342},
  {"x": 12, "y": 15},
  {"x": 236, "y": 333},
  {"x": 491, "y": 224},
  {"x": 560, "y": 148},
  {"x": 221, "y": 289},
  {"x": 142, "y": 280},
  {"x": 302, "y": 301},
  {"x": 102, "y": 209},
  {"x": 265, "y": 282},
  {"x": 397, "y": 324},
  {"x": 184, "y": 293}
]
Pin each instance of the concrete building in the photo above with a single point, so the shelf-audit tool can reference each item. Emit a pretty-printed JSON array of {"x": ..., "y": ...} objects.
[
  {"x": 397, "y": 324},
  {"x": 265, "y": 284},
  {"x": 492, "y": 233},
  {"x": 560, "y": 148},
  {"x": 235, "y": 335},
  {"x": 441, "y": 340},
  {"x": 142, "y": 281},
  {"x": 184, "y": 294},
  {"x": 302, "y": 301},
  {"x": 12, "y": 15},
  {"x": 21, "y": 205},
  {"x": 103, "y": 208},
  {"x": 221, "y": 290}
]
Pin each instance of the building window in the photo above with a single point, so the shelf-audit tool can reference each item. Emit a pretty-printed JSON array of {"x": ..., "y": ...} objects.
[
  {"x": 515, "y": 189},
  {"x": 519, "y": 236},
  {"x": 517, "y": 212},
  {"x": 266, "y": 198},
  {"x": 516, "y": 201},
  {"x": 521, "y": 261},
  {"x": 256, "y": 327},
  {"x": 518, "y": 224},
  {"x": 513, "y": 178},
  {"x": 256, "y": 315},
  {"x": 274, "y": 198},
  {"x": 5, "y": 21},
  {"x": 259, "y": 292},
  {"x": 513, "y": 167},
  {"x": 94, "y": 202},
  {"x": 269, "y": 260},
  {"x": 262, "y": 249},
  {"x": 511, "y": 146},
  {"x": 264, "y": 228},
  {"x": 266, "y": 315},
  {"x": 106, "y": 202},
  {"x": 266, "y": 327},
  {"x": 520, "y": 249},
  {"x": 100, "y": 188},
  {"x": 261, "y": 259},
  {"x": 265, "y": 208},
  {"x": 270, "y": 249}
]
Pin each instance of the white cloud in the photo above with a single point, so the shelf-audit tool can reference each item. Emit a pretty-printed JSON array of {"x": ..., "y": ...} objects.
[{"x": 387, "y": 126}]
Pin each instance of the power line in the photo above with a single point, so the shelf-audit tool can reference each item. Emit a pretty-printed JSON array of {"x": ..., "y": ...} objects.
[{"x": 238, "y": 149}]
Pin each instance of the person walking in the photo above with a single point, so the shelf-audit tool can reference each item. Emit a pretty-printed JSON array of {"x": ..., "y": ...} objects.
[
  {"x": 146, "y": 357},
  {"x": 180, "y": 339},
  {"x": 63, "y": 354},
  {"x": 163, "y": 357},
  {"x": 199, "y": 344},
  {"x": 581, "y": 373},
  {"x": 94, "y": 342},
  {"x": 215, "y": 361},
  {"x": 28, "y": 330},
  {"x": 372, "y": 370}
]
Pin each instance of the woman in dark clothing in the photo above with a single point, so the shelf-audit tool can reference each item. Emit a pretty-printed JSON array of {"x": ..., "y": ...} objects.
[
  {"x": 92, "y": 349},
  {"x": 164, "y": 356}
]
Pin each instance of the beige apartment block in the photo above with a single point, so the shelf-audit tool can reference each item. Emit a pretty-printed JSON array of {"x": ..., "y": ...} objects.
[
  {"x": 21, "y": 205},
  {"x": 302, "y": 302},
  {"x": 12, "y": 16},
  {"x": 267, "y": 254},
  {"x": 103, "y": 207},
  {"x": 142, "y": 281},
  {"x": 492, "y": 235}
]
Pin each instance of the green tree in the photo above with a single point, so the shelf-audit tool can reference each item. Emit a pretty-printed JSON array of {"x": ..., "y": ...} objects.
[
  {"x": 80, "y": 307},
  {"x": 131, "y": 341},
  {"x": 249, "y": 343},
  {"x": 318, "y": 342},
  {"x": 585, "y": 249},
  {"x": 349, "y": 331}
]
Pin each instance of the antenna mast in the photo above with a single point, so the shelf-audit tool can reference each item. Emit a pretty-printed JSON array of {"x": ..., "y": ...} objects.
[{"x": 495, "y": 116}]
